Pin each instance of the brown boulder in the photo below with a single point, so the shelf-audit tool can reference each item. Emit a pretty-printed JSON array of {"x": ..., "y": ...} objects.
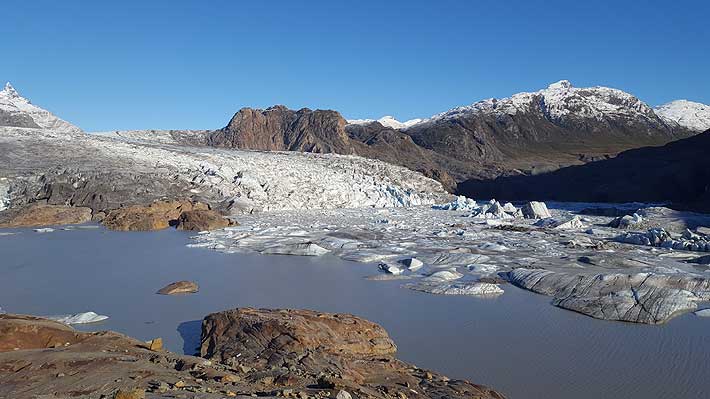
[
  {"x": 328, "y": 351},
  {"x": 48, "y": 215},
  {"x": 179, "y": 287},
  {"x": 202, "y": 220},
  {"x": 157, "y": 216}
]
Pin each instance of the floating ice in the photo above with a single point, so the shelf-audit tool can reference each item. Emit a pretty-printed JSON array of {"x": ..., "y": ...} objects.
[{"x": 79, "y": 318}]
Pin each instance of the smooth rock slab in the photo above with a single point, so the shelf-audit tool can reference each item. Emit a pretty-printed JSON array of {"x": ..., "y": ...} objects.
[{"x": 179, "y": 287}]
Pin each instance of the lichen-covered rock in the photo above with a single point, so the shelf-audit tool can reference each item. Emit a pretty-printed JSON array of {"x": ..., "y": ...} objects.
[
  {"x": 202, "y": 220},
  {"x": 640, "y": 298},
  {"x": 47, "y": 215},
  {"x": 156, "y": 216},
  {"x": 335, "y": 351}
]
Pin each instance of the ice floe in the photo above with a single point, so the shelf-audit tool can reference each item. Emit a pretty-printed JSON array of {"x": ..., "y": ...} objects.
[{"x": 79, "y": 318}]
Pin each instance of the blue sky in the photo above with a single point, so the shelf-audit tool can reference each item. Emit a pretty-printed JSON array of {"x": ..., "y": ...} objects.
[{"x": 192, "y": 64}]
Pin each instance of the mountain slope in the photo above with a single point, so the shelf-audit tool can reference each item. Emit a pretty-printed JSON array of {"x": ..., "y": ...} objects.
[
  {"x": 692, "y": 115},
  {"x": 17, "y": 111},
  {"x": 536, "y": 132},
  {"x": 678, "y": 172}
]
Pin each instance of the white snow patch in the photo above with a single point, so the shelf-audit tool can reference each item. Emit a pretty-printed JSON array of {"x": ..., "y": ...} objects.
[
  {"x": 689, "y": 114},
  {"x": 387, "y": 121}
]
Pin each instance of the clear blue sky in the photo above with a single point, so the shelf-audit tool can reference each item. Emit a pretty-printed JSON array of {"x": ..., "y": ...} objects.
[{"x": 192, "y": 64}]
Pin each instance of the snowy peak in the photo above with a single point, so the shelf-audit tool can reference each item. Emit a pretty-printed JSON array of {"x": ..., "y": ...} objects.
[
  {"x": 558, "y": 102},
  {"x": 561, "y": 85},
  {"x": 17, "y": 111},
  {"x": 386, "y": 121},
  {"x": 689, "y": 114},
  {"x": 10, "y": 91}
]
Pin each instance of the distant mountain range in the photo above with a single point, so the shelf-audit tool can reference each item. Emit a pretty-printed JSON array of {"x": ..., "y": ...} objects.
[
  {"x": 527, "y": 133},
  {"x": 522, "y": 135}
]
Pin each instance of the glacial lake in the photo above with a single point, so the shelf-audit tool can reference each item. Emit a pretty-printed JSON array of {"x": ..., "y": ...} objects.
[{"x": 516, "y": 343}]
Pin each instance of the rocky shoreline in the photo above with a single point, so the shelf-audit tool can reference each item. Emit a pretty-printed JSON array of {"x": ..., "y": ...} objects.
[{"x": 245, "y": 352}]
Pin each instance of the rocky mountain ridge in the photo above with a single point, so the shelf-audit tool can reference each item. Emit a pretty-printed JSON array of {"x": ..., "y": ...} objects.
[{"x": 525, "y": 134}]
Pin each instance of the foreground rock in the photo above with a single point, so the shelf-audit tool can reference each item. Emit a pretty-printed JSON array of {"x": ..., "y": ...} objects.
[
  {"x": 41, "y": 358},
  {"x": 46, "y": 215},
  {"x": 179, "y": 287},
  {"x": 640, "y": 298},
  {"x": 307, "y": 350},
  {"x": 202, "y": 220},
  {"x": 156, "y": 216}
]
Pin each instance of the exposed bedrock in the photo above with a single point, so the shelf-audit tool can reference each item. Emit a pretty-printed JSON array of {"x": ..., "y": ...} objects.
[
  {"x": 284, "y": 353},
  {"x": 39, "y": 214},
  {"x": 156, "y": 216},
  {"x": 41, "y": 358},
  {"x": 335, "y": 351},
  {"x": 640, "y": 298},
  {"x": 202, "y": 220}
]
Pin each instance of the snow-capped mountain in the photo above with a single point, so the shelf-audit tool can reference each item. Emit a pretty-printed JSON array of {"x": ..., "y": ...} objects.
[
  {"x": 544, "y": 130},
  {"x": 559, "y": 101},
  {"x": 692, "y": 115},
  {"x": 17, "y": 111},
  {"x": 386, "y": 121}
]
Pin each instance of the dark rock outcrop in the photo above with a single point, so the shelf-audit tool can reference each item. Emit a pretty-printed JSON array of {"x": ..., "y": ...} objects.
[
  {"x": 301, "y": 348},
  {"x": 280, "y": 129}
]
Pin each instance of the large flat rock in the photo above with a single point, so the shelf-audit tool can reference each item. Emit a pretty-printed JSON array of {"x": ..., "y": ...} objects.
[{"x": 302, "y": 348}]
